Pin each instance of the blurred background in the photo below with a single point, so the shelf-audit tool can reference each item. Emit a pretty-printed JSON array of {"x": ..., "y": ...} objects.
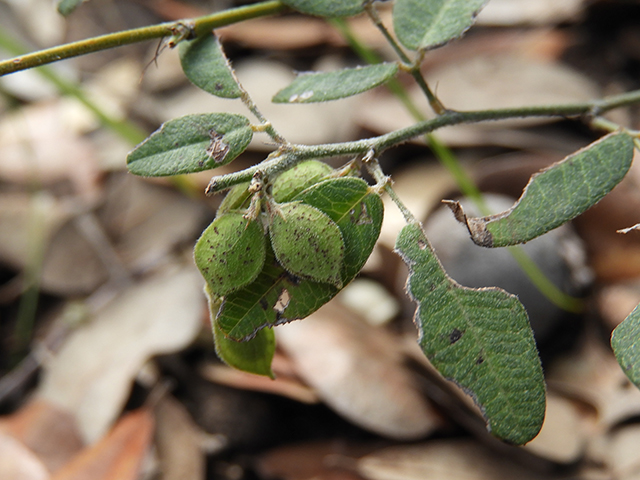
[{"x": 107, "y": 365}]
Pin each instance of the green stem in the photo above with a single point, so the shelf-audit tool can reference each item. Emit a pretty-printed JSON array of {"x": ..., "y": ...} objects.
[
  {"x": 373, "y": 166},
  {"x": 195, "y": 27},
  {"x": 462, "y": 179},
  {"x": 377, "y": 21},
  {"x": 128, "y": 131},
  {"x": 295, "y": 154}
]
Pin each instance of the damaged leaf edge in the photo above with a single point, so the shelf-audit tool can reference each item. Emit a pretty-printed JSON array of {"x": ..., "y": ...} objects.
[{"x": 477, "y": 226}]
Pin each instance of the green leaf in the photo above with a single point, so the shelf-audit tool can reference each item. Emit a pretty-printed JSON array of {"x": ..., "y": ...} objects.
[
  {"x": 206, "y": 66},
  {"x": 253, "y": 356},
  {"x": 321, "y": 87},
  {"x": 277, "y": 296},
  {"x": 230, "y": 253},
  {"x": 66, "y": 7},
  {"x": 190, "y": 144},
  {"x": 480, "y": 339},
  {"x": 296, "y": 179},
  {"x": 625, "y": 341},
  {"x": 307, "y": 243},
  {"x": 425, "y": 24},
  {"x": 555, "y": 195},
  {"x": 327, "y": 8}
]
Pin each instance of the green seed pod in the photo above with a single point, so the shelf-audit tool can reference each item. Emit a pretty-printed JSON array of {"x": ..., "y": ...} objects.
[
  {"x": 230, "y": 253},
  {"x": 307, "y": 243},
  {"x": 300, "y": 177},
  {"x": 235, "y": 199}
]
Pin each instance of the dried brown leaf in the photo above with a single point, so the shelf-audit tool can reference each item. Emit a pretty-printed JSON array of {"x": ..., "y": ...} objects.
[
  {"x": 48, "y": 431},
  {"x": 118, "y": 456},
  {"x": 178, "y": 442},
  {"x": 592, "y": 375},
  {"x": 17, "y": 462},
  {"x": 441, "y": 460},
  {"x": 358, "y": 371},
  {"x": 92, "y": 374},
  {"x": 530, "y": 12},
  {"x": 564, "y": 435}
]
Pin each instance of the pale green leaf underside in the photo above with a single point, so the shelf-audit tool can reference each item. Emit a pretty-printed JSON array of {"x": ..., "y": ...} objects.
[
  {"x": 625, "y": 342},
  {"x": 253, "y": 356},
  {"x": 206, "y": 66},
  {"x": 421, "y": 25},
  {"x": 190, "y": 144},
  {"x": 277, "y": 296},
  {"x": 557, "y": 194},
  {"x": 327, "y": 8},
  {"x": 480, "y": 339},
  {"x": 321, "y": 87}
]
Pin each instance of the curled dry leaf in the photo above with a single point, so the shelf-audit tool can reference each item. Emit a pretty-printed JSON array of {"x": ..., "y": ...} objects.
[
  {"x": 441, "y": 460},
  {"x": 622, "y": 452},
  {"x": 17, "y": 462},
  {"x": 283, "y": 385},
  {"x": 592, "y": 374},
  {"x": 357, "y": 370},
  {"x": 37, "y": 143},
  {"x": 93, "y": 372},
  {"x": 178, "y": 441},
  {"x": 530, "y": 12},
  {"x": 118, "y": 456},
  {"x": 564, "y": 435},
  {"x": 48, "y": 431},
  {"x": 481, "y": 82}
]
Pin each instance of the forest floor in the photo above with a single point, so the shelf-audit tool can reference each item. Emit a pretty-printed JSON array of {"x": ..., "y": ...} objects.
[{"x": 107, "y": 364}]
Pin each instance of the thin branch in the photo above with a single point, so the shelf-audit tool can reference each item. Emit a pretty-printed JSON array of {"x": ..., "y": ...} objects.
[
  {"x": 294, "y": 154},
  {"x": 180, "y": 29}
]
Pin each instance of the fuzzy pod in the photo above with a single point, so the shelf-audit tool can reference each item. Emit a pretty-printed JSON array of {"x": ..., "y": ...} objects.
[
  {"x": 307, "y": 243},
  {"x": 230, "y": 253}
]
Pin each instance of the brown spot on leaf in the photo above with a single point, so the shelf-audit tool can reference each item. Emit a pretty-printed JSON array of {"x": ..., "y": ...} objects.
[
  {"x": 217, "y": 149},
  {"x": 455, "y": 335}
]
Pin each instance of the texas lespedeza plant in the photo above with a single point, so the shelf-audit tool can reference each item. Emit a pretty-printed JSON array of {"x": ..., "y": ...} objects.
[{"x": 291, "y": 232}]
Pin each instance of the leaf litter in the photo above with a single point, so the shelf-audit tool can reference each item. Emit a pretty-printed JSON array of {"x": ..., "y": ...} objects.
[{"x": 149, "y": 226}]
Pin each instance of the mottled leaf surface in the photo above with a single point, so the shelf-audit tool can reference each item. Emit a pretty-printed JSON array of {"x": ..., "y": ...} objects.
[
  {"x": 321, "y": 87},
  {"x": 480, "y": 339},
  {"x": 307, "y": 243},
  {"x": 625, "y": 342},
  {"x": 230, "y": 253},
  {"x": 190, "y": 144},
  {"x": 327, "y": 8},
  {"x": 206, "y": 66},
  {"x": 421, "y": 25},
  {"x": 277, "y": 296},
  {"x": 556, "y": 195}
]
